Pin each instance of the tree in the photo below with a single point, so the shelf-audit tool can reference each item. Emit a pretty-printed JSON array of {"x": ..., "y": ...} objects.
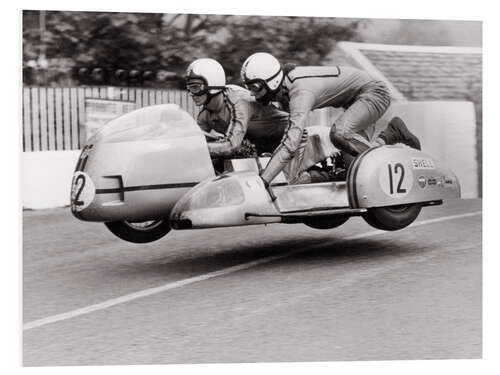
[
  {"x": 300, "y": 40},
  {"x": 140, "y": 42}
]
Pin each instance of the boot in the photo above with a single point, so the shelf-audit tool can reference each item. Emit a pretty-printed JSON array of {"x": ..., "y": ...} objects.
[{"x": 397, "y": 132}]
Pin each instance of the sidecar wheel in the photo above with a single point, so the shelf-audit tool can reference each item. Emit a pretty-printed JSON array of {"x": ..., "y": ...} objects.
[
  {"x": 139, "y": 232},
  {"x": 392, "y": 217},
  {"x": 328, "y": 222}
]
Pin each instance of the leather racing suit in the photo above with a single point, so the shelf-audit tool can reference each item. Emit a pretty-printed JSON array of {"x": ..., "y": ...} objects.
[
  {"x": 307, "y": 88},
  {"x": 235, "y": 114}
]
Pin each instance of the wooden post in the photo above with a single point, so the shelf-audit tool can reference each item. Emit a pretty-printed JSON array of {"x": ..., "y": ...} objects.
[
  {"x": 66, "y": 119},
  {"x": 74, "y": 118},
  {"x": 138, "y": 97},
  {"x": 59, "y": 119},
  {"x": 82, "y": 136},
  {"x": 152, "y": 97},
  {"x": 35, "y": 119},
  {"x": 27, "y": 136},
  {"x": 51, "y": 124},
  {"x": 43, "y": 119},
  {"x": 164, "y": 96}
]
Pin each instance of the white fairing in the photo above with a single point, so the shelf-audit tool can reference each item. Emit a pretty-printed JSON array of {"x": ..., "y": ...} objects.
[
  {"x": 396, "y": 175},
  {"x": 384, "y": 176},
  {"x": 223, "y": 201},
  {"x": 140, "y": 164},
  {"x": 240, "y": 198}
]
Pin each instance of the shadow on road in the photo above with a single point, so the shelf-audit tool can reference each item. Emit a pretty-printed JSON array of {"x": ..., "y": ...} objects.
[{"x": 306, "y": 251}]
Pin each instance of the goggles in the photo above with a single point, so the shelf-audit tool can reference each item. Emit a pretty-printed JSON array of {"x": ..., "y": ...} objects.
[
  {"x": 197, "y": 88},
  {"x": 255, "y": 85}
]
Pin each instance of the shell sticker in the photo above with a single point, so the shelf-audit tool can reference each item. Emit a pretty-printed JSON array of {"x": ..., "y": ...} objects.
[{"x": 422, "y": 163}]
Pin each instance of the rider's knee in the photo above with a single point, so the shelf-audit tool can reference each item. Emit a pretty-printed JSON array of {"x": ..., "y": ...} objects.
[
  {"x": 348, "y": 141},
  {"x": 339, "y": 137}
]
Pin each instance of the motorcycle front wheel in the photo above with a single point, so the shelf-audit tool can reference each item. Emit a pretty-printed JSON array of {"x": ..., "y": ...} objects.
[{"x": 139, "y": 232}]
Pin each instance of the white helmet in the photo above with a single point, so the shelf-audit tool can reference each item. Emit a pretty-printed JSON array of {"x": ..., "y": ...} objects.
[
  {"x": 264, "y": 69},
  {"x": 210, "y": 72}
]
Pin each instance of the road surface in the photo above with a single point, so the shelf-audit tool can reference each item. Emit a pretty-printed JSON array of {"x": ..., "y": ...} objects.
[{"x": 253, "y": 294}]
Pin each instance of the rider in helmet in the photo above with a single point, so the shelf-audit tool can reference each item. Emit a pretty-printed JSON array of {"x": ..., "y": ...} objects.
[
  {"x": 205, "y": 78},
  {"x": 229, "y": 112},
  {"x": 301, "y": 89}
]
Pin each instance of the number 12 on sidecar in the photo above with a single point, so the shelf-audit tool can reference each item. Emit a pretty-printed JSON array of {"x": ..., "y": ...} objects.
[{"x": 149, "y": 171}]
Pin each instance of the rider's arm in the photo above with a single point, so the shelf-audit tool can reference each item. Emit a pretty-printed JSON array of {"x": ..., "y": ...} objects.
[
  {"x": 236, "y": 130},
  {"x": 300, "y": 105},
  {"x": 202, "y": 121}
]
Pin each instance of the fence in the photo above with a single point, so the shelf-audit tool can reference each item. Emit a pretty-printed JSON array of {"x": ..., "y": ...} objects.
[{"x": 54, "y": 117}]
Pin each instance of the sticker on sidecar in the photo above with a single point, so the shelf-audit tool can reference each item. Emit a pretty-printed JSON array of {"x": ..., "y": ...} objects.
[
  {"x": 422, "y": 182},
  {"x": 422, "y": 163},
  {"x": 82, "y": 191},
  {"x": 395, "y": 179}
]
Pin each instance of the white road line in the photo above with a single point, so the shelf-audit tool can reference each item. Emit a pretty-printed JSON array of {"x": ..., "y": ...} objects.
[{"x": 210, "y": 275}]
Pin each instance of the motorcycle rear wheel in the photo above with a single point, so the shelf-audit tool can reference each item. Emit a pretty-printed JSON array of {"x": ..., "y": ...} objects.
[{"x": 392, "y": 217}]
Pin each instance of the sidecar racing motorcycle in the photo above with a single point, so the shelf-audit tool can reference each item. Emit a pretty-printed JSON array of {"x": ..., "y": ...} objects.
[{"x": 149, "y": 171}]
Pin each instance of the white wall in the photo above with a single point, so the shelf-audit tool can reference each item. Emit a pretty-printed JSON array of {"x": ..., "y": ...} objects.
[
  {"x": 446, "y": 131},
  {"x": 47, "y": 178}
]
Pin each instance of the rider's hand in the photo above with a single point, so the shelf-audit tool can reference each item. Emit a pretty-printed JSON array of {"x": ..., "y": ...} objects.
[{"x": 213, "y": 135}]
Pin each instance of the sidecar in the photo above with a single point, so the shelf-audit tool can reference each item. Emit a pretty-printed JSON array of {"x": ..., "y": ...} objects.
[
  {"x": 149, "y": 171},
  {"x": 387, "y": 186}
]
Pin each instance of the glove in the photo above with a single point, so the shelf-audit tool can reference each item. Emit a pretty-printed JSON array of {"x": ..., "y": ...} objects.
[
  {"x": 213, "y": 135},
  {"x": 269, "y": 190}
]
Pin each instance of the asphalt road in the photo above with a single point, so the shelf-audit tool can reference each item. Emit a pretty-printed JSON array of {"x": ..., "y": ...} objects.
[{"x": 296, "y": 293}]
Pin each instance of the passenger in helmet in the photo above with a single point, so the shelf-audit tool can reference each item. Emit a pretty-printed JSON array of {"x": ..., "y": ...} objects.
[
  {"x": 301, "y": 89},
  {"x": 229, "y": 113}
]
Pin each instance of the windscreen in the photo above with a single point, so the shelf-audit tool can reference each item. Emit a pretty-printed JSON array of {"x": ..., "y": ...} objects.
[{"x": 148, "y": 123}]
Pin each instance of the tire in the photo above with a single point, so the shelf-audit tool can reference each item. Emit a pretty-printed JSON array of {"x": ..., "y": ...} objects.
[
  {"x": 328, "y": 222},
  {"x": 392, "y": 217},
  {"x": 139, "y": 232}
]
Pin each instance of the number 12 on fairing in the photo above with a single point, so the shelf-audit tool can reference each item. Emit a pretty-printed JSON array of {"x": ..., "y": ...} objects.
[
  {"x": 396, "y": 178},
  {"x": 79, "y": 184}
]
